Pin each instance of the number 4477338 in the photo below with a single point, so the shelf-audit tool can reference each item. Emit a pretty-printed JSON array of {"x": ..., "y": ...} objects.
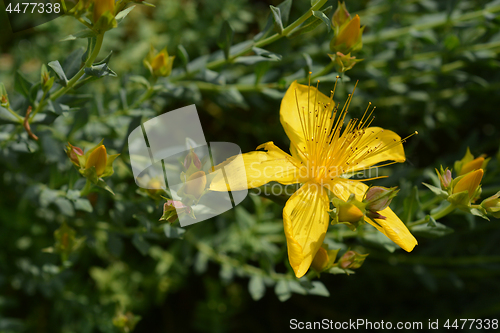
[
  {"x": 34, "y": 7},
  {"x": 472, "y": 323}
]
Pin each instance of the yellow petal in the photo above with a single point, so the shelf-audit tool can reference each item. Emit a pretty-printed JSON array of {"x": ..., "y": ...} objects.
[
  {"x": 98, "y": 159},
  {"x": 385, "y": 145},
  {"x": 349, "y": 35},
  {"x": 258, "y": 168},
  {"x": 472, "y": 165},
  {"x": 298, "y": 109},
  {"x": 305, "y": 219},
  {"x": 392, "y": 226},
  {"x": 469, "y": 182}
]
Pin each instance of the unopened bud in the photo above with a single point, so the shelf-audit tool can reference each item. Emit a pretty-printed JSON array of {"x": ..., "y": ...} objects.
[
  {"x": 378, "y": 198},
  {"x": 492, "y": 205},
  {"x": 352, "y": 260},
  {"x": 469, "y": 182},
  {"x": 192, "y": 158},
  {"x": 97, "y": 159},
  {"x": 172, "y": 209},
  {"x": 445, "y": 179},
  {"x": 341, "y": 15},
  {"x": 101, "y": 7},
  {"x": 320, "y": 260},
  {"x": 159, "y": 63},
  {"x": 4, "y": 98},
  {"x": 195, "y": 184},
  {"x": 73, "y": 153},
  {"x": 475, "y": 164}
]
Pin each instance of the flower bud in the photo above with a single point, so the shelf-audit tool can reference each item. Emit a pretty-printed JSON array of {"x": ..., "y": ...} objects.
[
  {"x": 348, "y": 212},
  {"x": 97, "y": 159},
  {"x": 73, "y": 153},
  {"x": 320, "y": 260},
  {"x": 475, "y": 164},
  {"x": 4, "y": 98},
  {"x": 192, "y": 158},
  {"x": 352, "y": 260},
  {"x": 195, "y": 184},
  {"x": 172, "y": 209},
  {"x": 469, "y": 182},
  {"x": 101, "y": 7},
  {"x": 378, "y": 198},
  {"x": 341, "y": 15},
  {"x": 492, "y": 205},
  {"x": 348, "y": 37},
  {"x": 445, "y": 178},
  {"x": 159, "y": 63}
]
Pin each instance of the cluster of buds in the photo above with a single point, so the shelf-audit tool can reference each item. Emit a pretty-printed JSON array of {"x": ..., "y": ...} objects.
[
  {"x": 347, "y": 38},
  {"x": 466, "y": 187},
  {"x": 172, "y": 209},
  {"x": 324, "y": 260},
  {"x": 94, "y": 164},
  {"x": 4, "y": 98},
  {"x": 100, "y": 12},
  {"x": 353, "y": 212},
  {"x": 159, "y": 63},
  {"x": 491, "y": 205}
]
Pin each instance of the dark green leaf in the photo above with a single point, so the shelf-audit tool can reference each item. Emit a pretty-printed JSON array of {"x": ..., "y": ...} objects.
[
  {"x": 411, "y": 205},
  {"x": 278, "y": 24},
  {"x": 225, "y": 38},
  {"x": 22, "y": 85},
  {"x": 56, "y": 67}
]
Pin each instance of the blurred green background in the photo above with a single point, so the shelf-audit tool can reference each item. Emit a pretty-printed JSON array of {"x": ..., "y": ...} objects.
[{"x": 430, "y": 66}]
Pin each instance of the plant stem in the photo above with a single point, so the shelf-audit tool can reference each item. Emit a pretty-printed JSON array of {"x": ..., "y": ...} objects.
[
  {"x": 80, "y": 73},
  {"x": 261, "y": 43},
  {"x": 436, "y": 216},
  {"x": 86, "y": 189},
  {"x": 38, "y": 107},
  {"x": 18, "y": 117}
]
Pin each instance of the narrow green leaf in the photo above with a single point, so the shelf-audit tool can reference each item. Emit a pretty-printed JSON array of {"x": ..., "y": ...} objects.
[
  {"x": 81, "y": 34},
  {"x": 121, "y": 15},
  {"x": 278, "y": 24},
  {"x": 424, "y": 230},
  {"x": 225, "y": 38},
  {"x": 319, "y": 14},
  {"x": 411, "y": 205}
]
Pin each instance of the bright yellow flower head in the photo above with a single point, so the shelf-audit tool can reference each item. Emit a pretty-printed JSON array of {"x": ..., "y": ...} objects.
[{"x": 323, "y": 151}]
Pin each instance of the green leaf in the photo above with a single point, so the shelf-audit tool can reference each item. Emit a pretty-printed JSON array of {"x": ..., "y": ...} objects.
[
  {"x": 411, "y": 205},
  {"x": 225, "y": 38},
  {"x": 173, "y": 232},
  {"x": 57, "y": 68},
  {"x": 22, "y": 85},
  {"x": 105, "y": 60},
  {"x": 183, "y": 55},
  {"x": 141, "y": 244},
  {"x": 319, "y": 14},
  {"x": 256, "y": 287},
  {"x": 99, "y": 71},
  {"x": 310, "y": 24},
  {"x": 121, "y": 15},
  {"x": 436, "y": 190},
  {"x": 83, "y": 204},
  {"x": 278, "y": 24},
  {"x": 282, "y": 290},
  {"x": 424, "y": 230},
  {"x": 87, "y": 33},
  {"x": 65, "y": 206},
  {"x": 139, "y": 79},
  {"x": 318, "y": 288}
]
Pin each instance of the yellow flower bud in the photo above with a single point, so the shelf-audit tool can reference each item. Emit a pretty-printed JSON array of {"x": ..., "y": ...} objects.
[
  {"x": 492, "y": 205},
  {"x": 349, "y": 213},
  {"x": 102, "y": 6},
  {"x": 98, "y": 159},
  {"x": 195, "y": 184},
  {"x": 320, "y": 260},
  {"x": 159, "y": 63},
  {"x": 469, "y": 182},
  {"x": 472, "y": 165},
  {"x": 350, "y": 34}
]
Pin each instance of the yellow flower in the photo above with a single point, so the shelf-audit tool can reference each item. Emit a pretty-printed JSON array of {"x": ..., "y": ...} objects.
[
  {"x": 98, "y": 159},
  {"x": 469, "y": 182},
  {"x": 102, "y": 6},
  {"x": 323, "y": 151},
  {"x": 159, "y": 63}
]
